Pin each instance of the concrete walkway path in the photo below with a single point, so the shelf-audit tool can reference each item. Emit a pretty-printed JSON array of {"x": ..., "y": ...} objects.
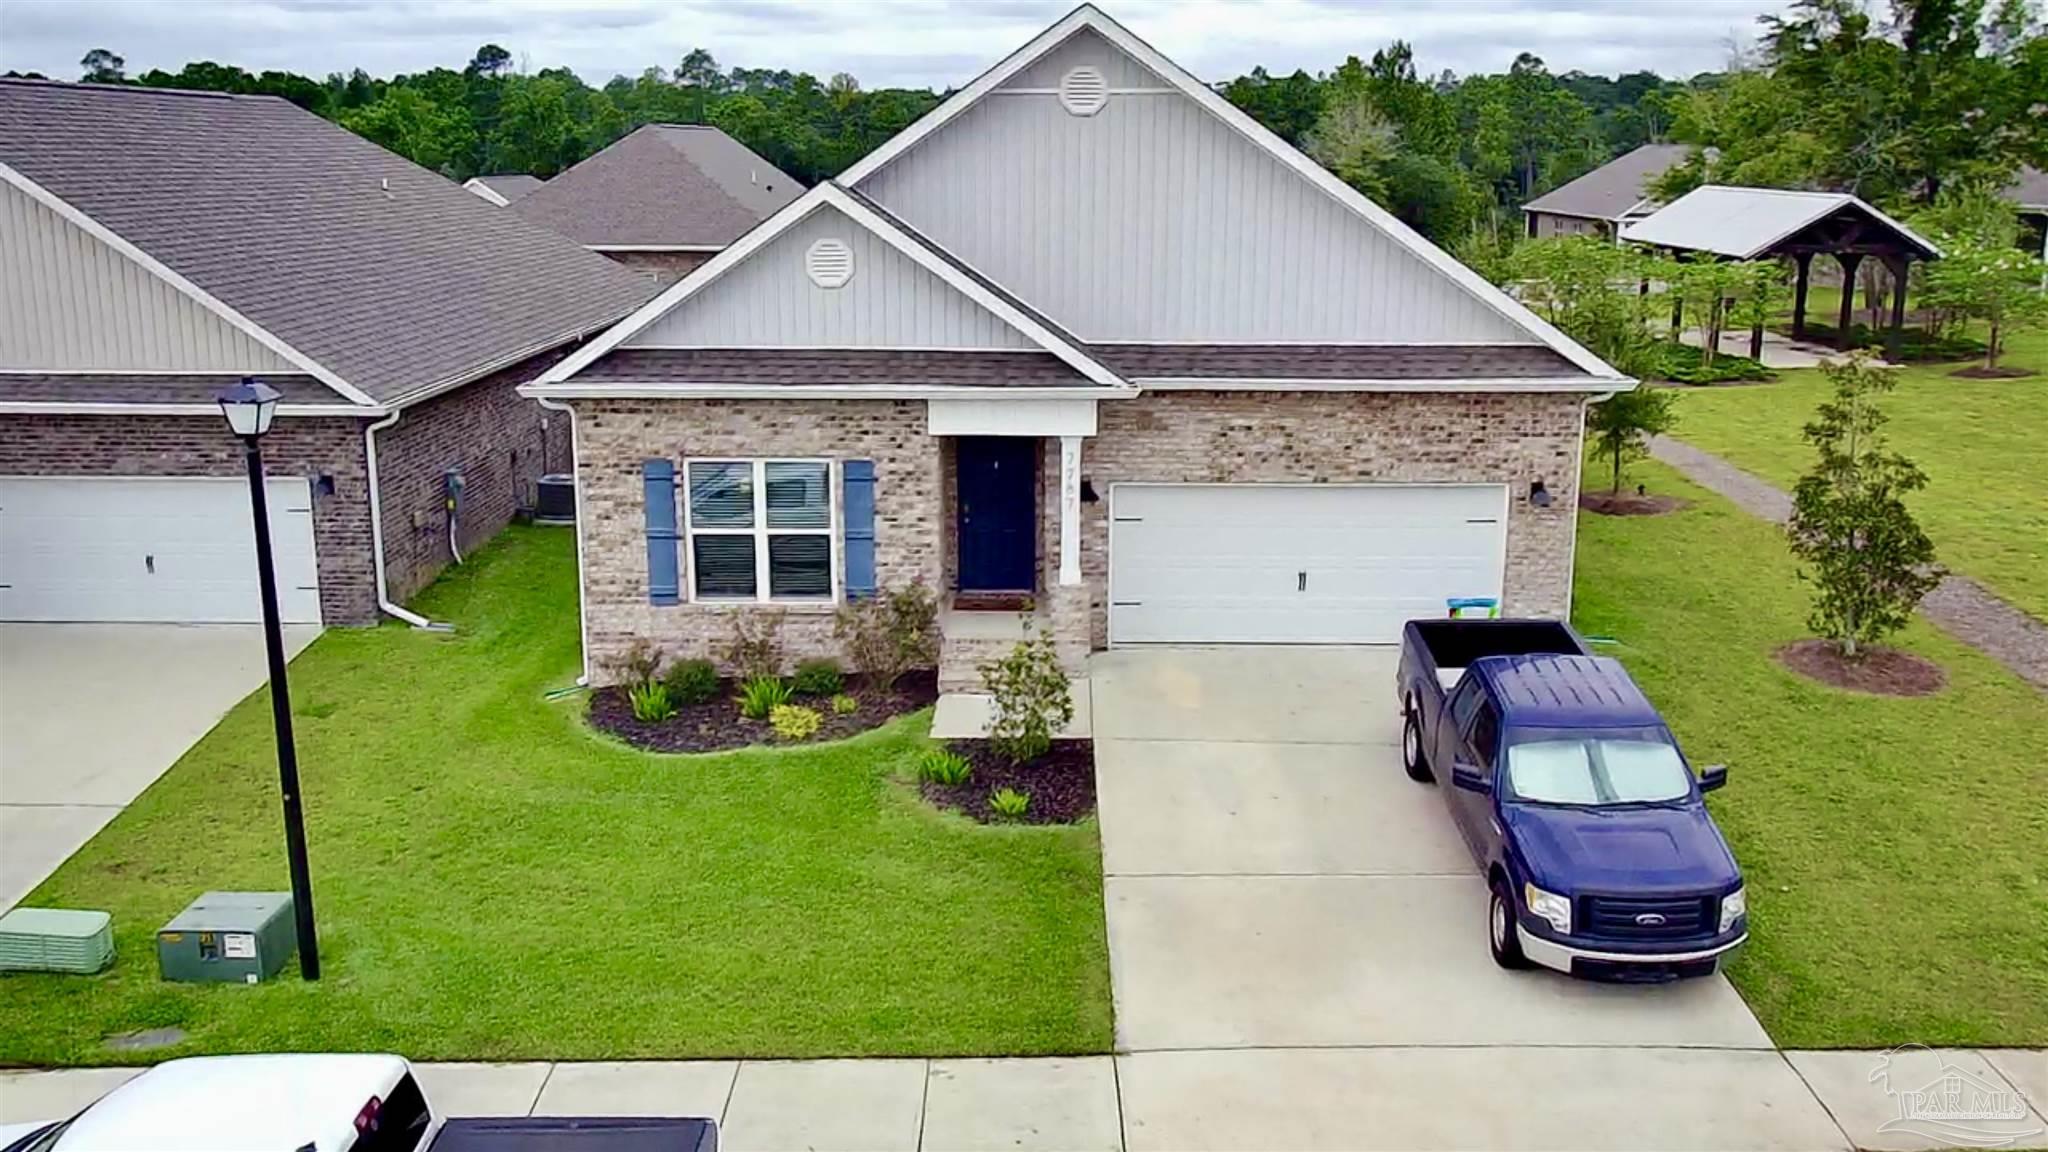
[
  {"x": 1391, "y": 1098},
  {"x": 1958, "y": 605}
]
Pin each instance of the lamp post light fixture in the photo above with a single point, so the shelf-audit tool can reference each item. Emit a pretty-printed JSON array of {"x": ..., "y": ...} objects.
[{"x": 249, "y": 408}]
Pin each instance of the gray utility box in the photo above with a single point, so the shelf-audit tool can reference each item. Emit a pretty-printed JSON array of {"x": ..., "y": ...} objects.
[{"x": 236, "y": 937}]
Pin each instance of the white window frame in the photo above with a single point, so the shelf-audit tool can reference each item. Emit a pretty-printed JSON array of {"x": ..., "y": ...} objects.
[{"x": 761, "y": 531}]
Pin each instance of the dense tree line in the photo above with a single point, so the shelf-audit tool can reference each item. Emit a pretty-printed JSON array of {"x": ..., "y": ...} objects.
[{"x": 1893, "y": 105}]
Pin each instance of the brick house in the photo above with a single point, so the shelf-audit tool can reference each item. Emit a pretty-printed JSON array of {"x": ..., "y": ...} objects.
[
  {"x": 1090, "y": 351},
  {"x": 155, "y": 247},
  {"x": 662, "y": 199}
]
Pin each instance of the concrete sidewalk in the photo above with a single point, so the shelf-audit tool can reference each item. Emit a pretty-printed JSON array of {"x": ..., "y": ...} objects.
[{"x": 1301, "y": 1098}]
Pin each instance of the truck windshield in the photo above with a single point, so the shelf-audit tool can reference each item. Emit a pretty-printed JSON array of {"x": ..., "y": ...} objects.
[{"x": 1592, "y": 770}]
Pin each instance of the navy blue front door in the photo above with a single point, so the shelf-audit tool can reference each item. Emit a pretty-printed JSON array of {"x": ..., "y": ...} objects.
[{"x": 998, "y": 476}]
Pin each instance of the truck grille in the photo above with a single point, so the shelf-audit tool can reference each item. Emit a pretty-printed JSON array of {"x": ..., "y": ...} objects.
[{"x": 1648, "y": 917}]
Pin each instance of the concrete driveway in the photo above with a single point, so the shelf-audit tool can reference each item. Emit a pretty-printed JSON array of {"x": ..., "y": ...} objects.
[
  {"x": 1290, "y": 915},
  {"x": 92, "y": 714}
]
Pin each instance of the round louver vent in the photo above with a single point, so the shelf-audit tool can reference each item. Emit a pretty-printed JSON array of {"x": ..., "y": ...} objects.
[
  {"x": 1083, "y": 91},
  {"x": 829, "y": 263}
]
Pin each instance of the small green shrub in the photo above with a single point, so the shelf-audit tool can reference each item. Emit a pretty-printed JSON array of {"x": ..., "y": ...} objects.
[
  {"x": 637, "y": 665},
  {"x": 819, "y": 677},
  {"x": 938, "y": 766},
  {"x": 1009, "y": 803},
  {"x": 761, "y": 696},
  {"x": 844, "y": 705},
  {"x": 891, "y": 633},
  {"x": 692, "y": 681},
  {"x": 755, "y": 649},
  {"x": 793, "y": 722},
  {"x": 1030, "y": 699},
  {"x": 651, "y": 703}
]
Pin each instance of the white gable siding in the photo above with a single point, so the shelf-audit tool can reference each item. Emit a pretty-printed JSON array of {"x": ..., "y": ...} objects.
[
  {"x": 69, "y": 302},
  {"x": 1085, "y": 48},
  {"x": 768, "y": 300},
  {"x": 1153, "y": 220}
]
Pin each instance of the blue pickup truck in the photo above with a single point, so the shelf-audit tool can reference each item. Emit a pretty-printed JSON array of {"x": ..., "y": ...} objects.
[{"x": 1575, "y": 800}]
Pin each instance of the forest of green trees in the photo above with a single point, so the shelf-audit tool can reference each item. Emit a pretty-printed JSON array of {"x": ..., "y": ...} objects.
[{"x": 1892, "y": 102}]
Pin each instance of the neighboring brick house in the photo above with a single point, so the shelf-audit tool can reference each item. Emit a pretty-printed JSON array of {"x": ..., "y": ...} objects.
[
  {"x": 1091, "y": 352},
  {"x": 662, "y": 199},
  {"x": 1603, "y": 200},
  {"x": 155, "y": 247}
]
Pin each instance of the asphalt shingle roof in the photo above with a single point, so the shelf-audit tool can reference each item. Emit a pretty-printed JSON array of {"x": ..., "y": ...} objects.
[
  {"x": 1335, "y": 361},
  {"x": 386, "y": 274},
  {"x": 662, "y": 185},
  {"x": 150, "y": 388},
  {"x": 1611, "y": 189},
  {"x": 2030, "y": 189}
]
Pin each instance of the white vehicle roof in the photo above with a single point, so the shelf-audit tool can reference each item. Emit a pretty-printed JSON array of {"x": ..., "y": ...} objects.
[{"x": 237, "y": 1104}]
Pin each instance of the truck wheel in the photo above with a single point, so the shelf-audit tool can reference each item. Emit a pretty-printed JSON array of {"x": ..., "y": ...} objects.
[
  {"x": 1413, "y": 758},
  {"x": 1500, "y": 930}
]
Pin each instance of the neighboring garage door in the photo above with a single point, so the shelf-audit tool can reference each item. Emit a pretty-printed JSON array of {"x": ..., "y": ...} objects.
[
  {"x": 157, "y": 550},
  {"x": 1296, "y": 564}
]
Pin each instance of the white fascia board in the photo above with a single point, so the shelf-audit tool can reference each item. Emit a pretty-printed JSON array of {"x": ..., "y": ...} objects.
[
  {"x": 1088, "y": 16},
  {"x": 655, "y": 247},
  {"x": 115, "y": 408},
  {"x": 205, "y": 299},
  {"x": 823, "y": 195},
  {"x": 673, "y": 390},
  {"x": 1600, "y": 384},
  {"x": 484, "y": 191}
]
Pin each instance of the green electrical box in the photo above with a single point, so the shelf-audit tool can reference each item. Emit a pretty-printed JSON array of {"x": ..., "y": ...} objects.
[{"x": 233, "y": 937}]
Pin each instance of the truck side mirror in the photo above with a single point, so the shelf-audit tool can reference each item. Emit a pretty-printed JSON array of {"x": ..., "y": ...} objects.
[
  {"x": 1713, "y": 776},
  {"x": 1469, "y": 777}
]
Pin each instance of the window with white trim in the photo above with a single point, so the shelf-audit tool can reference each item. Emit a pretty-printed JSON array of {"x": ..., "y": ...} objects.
[{"x": 760, "y": 529}]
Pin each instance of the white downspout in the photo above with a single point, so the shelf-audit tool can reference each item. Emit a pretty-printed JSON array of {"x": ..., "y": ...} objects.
[
  {"x": 377, "y": 530},
  {"x": 576, "y": 487}
]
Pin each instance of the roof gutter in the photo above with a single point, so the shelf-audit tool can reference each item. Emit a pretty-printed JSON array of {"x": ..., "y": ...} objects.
[
  {"x": 384, "y": 602},
  {"x": 1607, "y": 385},
  {"x": 698, "y": 390},
  {"x": 576, "y": 488},
  {"x": 118, "y": 408}
]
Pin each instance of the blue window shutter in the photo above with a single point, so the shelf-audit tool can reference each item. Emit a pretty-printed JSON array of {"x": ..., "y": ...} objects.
[
  {"x": 858, "y": 511},
  {"x": 663, "y": 585}
]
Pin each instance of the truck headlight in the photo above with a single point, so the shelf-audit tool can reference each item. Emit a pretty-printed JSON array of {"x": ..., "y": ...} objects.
[
  {"x": 1549, "y": 905},
  {"x": 1734, "y": 906}
]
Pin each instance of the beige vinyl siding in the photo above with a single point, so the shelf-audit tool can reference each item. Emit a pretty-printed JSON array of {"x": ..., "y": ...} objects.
[
  {"x": 768, "y": 300},
  {"x": 69, "y": 302},
  {"x": 1155, "y": 220}
]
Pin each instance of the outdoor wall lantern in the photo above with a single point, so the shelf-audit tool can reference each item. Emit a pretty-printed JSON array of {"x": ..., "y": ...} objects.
[{"x": 1539, "y": 495}]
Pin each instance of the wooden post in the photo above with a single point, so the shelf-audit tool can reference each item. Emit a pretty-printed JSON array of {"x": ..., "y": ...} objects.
[
  {"x": 1756, "y": 342},
  {"x": 1799, "y": 297},
  {"x": 1677, "y": 311},
  {"x": 1895, "y": 336},
  {"x": 1845, "y": 323}
]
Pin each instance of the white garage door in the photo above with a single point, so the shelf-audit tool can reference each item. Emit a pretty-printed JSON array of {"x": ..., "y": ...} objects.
[
  {"x": 1296, "y": 564},
  {"x": 150, "y": 550}
]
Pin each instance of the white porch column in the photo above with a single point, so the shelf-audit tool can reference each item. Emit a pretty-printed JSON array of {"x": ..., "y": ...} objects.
[{"x": 1070, "y": 510}]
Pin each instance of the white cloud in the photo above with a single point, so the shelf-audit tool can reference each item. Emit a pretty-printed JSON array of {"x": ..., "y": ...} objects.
[{"x": 885, "y": 42}]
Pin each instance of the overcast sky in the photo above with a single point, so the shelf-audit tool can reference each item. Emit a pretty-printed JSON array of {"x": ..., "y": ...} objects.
[{"x": 883, "y": 42}]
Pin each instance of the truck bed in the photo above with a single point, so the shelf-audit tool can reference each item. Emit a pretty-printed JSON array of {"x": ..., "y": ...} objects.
[
  {"x": 576, "y": 1134},
  {"x": 1436, "y": 653}
]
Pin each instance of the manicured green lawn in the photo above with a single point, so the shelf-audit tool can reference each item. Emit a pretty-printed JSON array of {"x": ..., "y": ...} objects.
[
  {"x": 1981, "y": 443},
  {"x": 1893, "y": 848},
  {"x": 493, "y": 882}
]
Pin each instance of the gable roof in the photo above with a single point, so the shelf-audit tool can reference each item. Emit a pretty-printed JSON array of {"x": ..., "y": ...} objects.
[
  {"x": 947, "y": 268},
  {"x": 1087, "y": 16},
  {"x": 502, "y": 189},
  {"x": 662, "y": 186},
  {"x": 1609, "y": 191},
  {"x": 2029, "y": 190},
  {"x": 383, "y": 280},
  {"x": 1744, "y": 223}
]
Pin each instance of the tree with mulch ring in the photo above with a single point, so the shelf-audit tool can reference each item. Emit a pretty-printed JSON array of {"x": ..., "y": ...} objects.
[
  {"x": 1060, "y": 783},
  {"x": 2002, "y": 372},
  {"x": 1857, "y": 544},
  {"x": 1878, "y": 671},
  {"x": 1640, "y": 502},
  {"x": 716, "y": 725}
]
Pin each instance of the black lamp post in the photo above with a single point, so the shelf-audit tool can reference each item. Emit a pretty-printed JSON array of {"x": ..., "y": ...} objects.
[{"x": 249, "y": 407}]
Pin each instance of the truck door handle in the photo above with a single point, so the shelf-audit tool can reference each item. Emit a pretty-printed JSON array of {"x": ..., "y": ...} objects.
[{"x": 1301, "y": 581}]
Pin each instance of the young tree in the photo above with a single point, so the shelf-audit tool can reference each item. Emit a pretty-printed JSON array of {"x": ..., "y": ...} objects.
[
  {"x": 1859, "y": 547},
  {"x": 1622, "y": 424},
  {"x": 1706, "y": 286},
  {"x": 1763, "y": 290}
]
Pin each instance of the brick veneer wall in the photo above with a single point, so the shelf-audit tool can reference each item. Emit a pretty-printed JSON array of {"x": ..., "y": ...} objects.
[
  {"x": 200, "y": 445},
  {"x": 502, "y": 442},
  {"x": 1211, "y": 437},
  {"x": 616, "y": 436},
  {"x": 667, "y": 267}
]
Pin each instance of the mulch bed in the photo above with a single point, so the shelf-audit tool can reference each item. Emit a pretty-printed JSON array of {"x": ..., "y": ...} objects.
[
  {"x": 716, "y": 724},
  {"x": 1880, "y": 671},
  {"x": 1980, "y": 372},
  {"x": 1630, "y": 503},
  {"x": 1061, "y": 783}
]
